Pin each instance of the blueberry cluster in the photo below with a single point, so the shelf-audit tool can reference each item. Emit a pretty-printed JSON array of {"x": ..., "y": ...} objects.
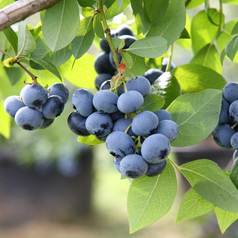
[
  {"x": 226, "y": 132},
  {"x": 139, "y": 140},
  {"x": 104, "y": 64},
  {"x": 37, "y": 107}
]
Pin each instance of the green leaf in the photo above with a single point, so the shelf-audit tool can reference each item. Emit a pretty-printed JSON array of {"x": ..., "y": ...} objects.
[
  {"x": 127, "y": 58},
  {"x": 97, "y": 26},
  {"x": 80, "y": 72},
  {"x": 235, "y": 28},
  {"x": 209, "y": 57},
  {"x": 86, "y": 3},
  {"x": 184, "y": 34},
  {"x": 14, "y": 74},
  {"x": 87, "y": 11},
  {"x": 193, "y": 205},
  {"x": 150, "y": 198},
  {"x": 84, "y": 38},
  {"x": 89, "y": 140},
  {"x": 222, "y": 56},
  {"x": 4, "y": 3},
  {"x": 196, "y": 114},
  {"x": 5, "y": 121},
  {"x": 26, "y": 42},
  {"x": 117, "y": 42},
  {"x": 195, "y": 78},
  {"x": 150, "y": 47},
  {"x": 225, "y": 218},
  {"x": 171, "y": 24},
  {"x": 211, "y": 183},
  {"x": 167, "y": 86},
  {"x": 142, "y": 23},
  {"x": 119, "y": 3},
  {"x": 235, "y": 2},
  {"x": 232, "y": 47},
  {"x": 153, "y": 103},
  {"x": 114, "y": 10},
  {"x": 202, "y": 30},
  {"x": 57, "y": 22},
  {"x": 194, "y": 3},
  {"x": 155, "y": 9},
  {"x": 234, "y": 173},
  {"x": 12, "y": 38},
  {"x": 48, "y": 66},
  {"x": 4, "y": 44}
]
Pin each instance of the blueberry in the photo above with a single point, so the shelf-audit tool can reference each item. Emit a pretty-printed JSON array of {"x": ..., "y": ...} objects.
[
  {"x": 140, "y": 84},
  {"x": 102, "y": 64},
  {"x": 122, "y": 124},
  {"x": 234, "y": 141},
  {"x": 112, "y": 62},
  {"x": 144, "y": 123},
  {"x": 99, "y": 124},
  {"x": 124, "y": 30},
  {"x": 29, "y": 118},
  {"x": 82, "y": 100},
  {"x": 230, "y": 91},
  {"x": 106, "y": 85},
  {"x": 76, "y": 124},
  {"x": 130, "y": 101},
  {"x": 116, "y": 163},
  {"x": 165, "y": 62},
  {"x": 224, "y": 114},
  {"x": 116, "y": 115},
  {"x": 155, "y": 169},
  {"x": 168, "y": 128},
  {"x": 155, "y": 148},
  {"x": 128, "y": 40},
  {"x": 133, "y": 166},
  {"x": 153, "y": 74},
  {"x": 34, "y": 95},
  {"x": 105, "y": 101},
  {"x": 235, "y": 155},
  {"x": 104, "y": 45},
  {"x": 222, "y": 135},
  {"x": 233, "y": 111},
  {"x": 163, "y": 115},
  {"x": 46, "y": 123},
  {"x": 120, "y": 144},
  {"x": 100, "y": 79},
  {"x": 59, "y": 89},
  {"x": 53, "y": 107},
  {"x": 12, "y": 104}
]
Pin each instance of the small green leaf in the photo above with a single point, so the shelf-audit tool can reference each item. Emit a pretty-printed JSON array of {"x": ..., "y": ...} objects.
[
  {"x": 222, "y": 56},
  {"x": 225, "y": 218},
  {"x": 80, "y": 72},
  {"x": 84, "y": 38},
  {"x": 5, "y": 121},
  {"x": 196, "y": 114},
  {"x": 86, "y": 3},
  {"x": 89, "y": 140},
  {"x": 184, "y": 34},
  {"x": 120, "y": 4},
  {"x": 232, "y": 47},
  {"x": 235, "y": 29},
  {"x": 167, "y": 86},
  {"x": 195, "y": 78},
  {"x": 97, "y": 26},
  {"x": 235, "y": 2},
  {"x": 150, "y": 198},
  {"x": 127, "y": 58},
  {"x": 114, "y": 10},
  {"x": 11, "y": 37},
  {"x": 209, "y": 57},
  {"x": 193, "y": 205},
  {"x": 4, "y": 3},
  {"x": 153, "y": 103},
  {"x": 150, "y": 47},
  {"x": 171, "y": 24},
  {"x": 87, "y": 11},
  {"x": 57, "y": 22},
  {"x": 234, "y": 173},
  {"x": 194, "y": 3},
  {"x": 117, "y": 42},
  {"x": 26, "y": 42},
  {"x": 48, "y": 66},
  {"x": 211, "y": 183},
  {"x": 202, "y": 31}
]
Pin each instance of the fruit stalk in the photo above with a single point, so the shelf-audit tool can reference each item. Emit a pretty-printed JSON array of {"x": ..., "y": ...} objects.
[{"x": 108, "y": 35}]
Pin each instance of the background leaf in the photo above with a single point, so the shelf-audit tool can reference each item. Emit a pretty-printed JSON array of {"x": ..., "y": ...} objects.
[
  {"x": 225, "y": 218},
  {"x": 193, "y": 205},
  {"x": 5, "y": 121},
  {"x": 89, "y": 140},
  {"x": 212, "y": 183},
  {"x": 150, "y": 198},
  {"x": 57, "y": 22},
  {"x": 196, "y": 114},
  {"x": 194, "y": 78},
  {"x": 153, "y": 103},
  {"x": 232, "y": 47},
  {"x": 167, "y": 86},
  {"x": 150, "y": 47},
  {"x": 12, "y": 38}
]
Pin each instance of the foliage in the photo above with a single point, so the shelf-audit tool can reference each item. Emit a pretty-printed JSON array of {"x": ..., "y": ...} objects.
[{"x": 63, "y": 46}]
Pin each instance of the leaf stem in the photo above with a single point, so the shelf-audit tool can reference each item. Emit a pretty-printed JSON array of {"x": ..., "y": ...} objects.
[
  {"x": 170, "y": 58},
  {"x": 27, "y": 71},
  {"x": 5, "y": 53},
  {"x": 175, "y": 165},
  {"x": 108, "y": 34}
]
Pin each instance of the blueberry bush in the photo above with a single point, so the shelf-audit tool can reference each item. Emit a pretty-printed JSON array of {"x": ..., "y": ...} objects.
[{"x": 143, "y": 104}]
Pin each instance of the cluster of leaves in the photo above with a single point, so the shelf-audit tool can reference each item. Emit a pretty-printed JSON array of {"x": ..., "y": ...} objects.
[{"x": 57, "y": 49}]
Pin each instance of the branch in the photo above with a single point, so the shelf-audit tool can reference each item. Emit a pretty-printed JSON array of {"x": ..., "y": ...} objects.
[{"x": 22, "y": 9}]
